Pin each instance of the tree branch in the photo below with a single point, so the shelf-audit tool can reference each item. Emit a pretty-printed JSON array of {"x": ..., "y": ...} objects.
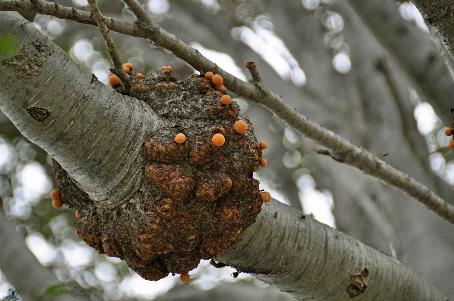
[
  {"x": 110, "y": 45},
  {"x": 65, "y": 110},
  {"x": 313, "y": 261},
  {"x": 351, "y": 154},
  {"x": 412, "y": 49}
]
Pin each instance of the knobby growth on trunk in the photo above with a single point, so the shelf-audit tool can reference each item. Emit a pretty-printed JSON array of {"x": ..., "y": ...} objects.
[{"x": 199, "y": 195}]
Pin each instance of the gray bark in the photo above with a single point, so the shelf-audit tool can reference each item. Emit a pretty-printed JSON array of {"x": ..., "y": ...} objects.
[
  {"x": 85, "y": 118},
  {"x": 312, "y": 261}
]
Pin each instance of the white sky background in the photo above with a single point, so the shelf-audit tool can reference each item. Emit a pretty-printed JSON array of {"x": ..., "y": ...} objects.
[{"x": 31, "y": 182}]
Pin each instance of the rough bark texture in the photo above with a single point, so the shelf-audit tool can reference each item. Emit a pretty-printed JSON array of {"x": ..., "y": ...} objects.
[
  {"x": 439, "y": 14},
  {"x": 321, "y": 263},
  {"x": 198, "y": 197}
]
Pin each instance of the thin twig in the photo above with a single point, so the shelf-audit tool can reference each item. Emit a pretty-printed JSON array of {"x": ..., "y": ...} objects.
[
  {"x": 256, "y": 78},
  {"x": 340, "y": 147},
  {"x": 110, "y": 45}
]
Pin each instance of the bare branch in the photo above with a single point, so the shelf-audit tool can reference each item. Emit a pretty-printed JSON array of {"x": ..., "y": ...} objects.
[
  {"x": 342, "y": 148},
  {"x": 110, "y": 45}
]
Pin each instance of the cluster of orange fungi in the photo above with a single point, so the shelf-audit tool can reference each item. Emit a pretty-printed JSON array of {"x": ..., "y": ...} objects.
[
  {"x": 450, "y": 132},
  {"x": 218, "y": 139},
  {"x": 115, "y": 81}
]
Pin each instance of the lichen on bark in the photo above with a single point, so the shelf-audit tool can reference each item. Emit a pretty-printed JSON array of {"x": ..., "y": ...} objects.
[{"x": 195, "y": 199}]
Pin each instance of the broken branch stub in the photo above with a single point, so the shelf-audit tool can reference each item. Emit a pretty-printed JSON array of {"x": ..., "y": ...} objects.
[{"x": 198, "y": 194}]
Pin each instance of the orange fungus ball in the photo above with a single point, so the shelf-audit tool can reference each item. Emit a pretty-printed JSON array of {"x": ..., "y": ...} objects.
[
  {"x": 180, "y": 138},
  {"x": 226, "y": 100},
  {"x": 185, "y": 278},
  {"x": 166, "y": 69},
  {"x": 263, "y": 144},
  {"x": 56, "y": 198},
  {"x": 77, "y": 213},
  {"x": 240, "y": 127},
  {"x": 209, "y": 74},
  {"x": 114, "y": 80},
  {"x": 127, "y": 67},
  {"x": 265, "y": 196},
  {"x": 451, "y": 144},
  {"x": 221, "y": 88},
  {"x": 263, "y": 162},
  {"x": 448, "y": 131},
  {"x": 217, "y": 80},
  {"x": 218, "y": 139},
  {"x": 139, "y": 75}
]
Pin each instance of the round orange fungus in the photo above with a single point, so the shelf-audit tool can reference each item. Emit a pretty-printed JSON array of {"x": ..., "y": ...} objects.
[
  {"x": 139, "y": 75},
  {"x": 265, "y": 196},
  {"x": 114, "y": 80},
  {"x": 226, "y": 100},
  {"x": 77, "y": 213},
  {"x": 209, "y": 74},
  {"x": 448, "y": 131},
  {"x": 263, "y": 144},
  {"x": 127, "y": 67},
  {"x": 166, "y": 69},
  {"x": 221, "y": 88},
  {"x": 185, "y": 278},
  {"x": 218, "y": 139},
  {"x": 240, "y": 127},
  {"x": 451, "y": 144},
  {"x": 263, "y": 162},
  {"x": 56, "y": 198},
  {"x": 217, "y": 80},
  {"x": 180, "y": 138}
]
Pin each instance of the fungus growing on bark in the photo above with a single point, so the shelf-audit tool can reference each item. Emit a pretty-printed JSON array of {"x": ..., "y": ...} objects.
[
  {"x": 217, "y": 80},
  {"x": 218, "y": 139},
  {"x": 225, "y": 100},
  {"x": 451, "y": 143},
  {"x": 196, "y": 197},
  {"x": 448, "y": 131},
  {"x": 209, "y": 74},
  {"x": 185, "y": 278},
  {"x": 166, "y": 69},
  {"x": 221, "y": 88},
  {"x": 139, "y": 75},
  {"x": 263, "y": 162},
  {"x": 180, "y": 138},
  {"x": 263, "y": 144},
  {"x": 127, "y": 67},
  {"x": 240, "y": 127},
  {"x": 114, "y": 80},
  {"x": 77, "y": 213},
  {"x": 265, "y": 196},
  {"x": 56, "y": 198}
]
